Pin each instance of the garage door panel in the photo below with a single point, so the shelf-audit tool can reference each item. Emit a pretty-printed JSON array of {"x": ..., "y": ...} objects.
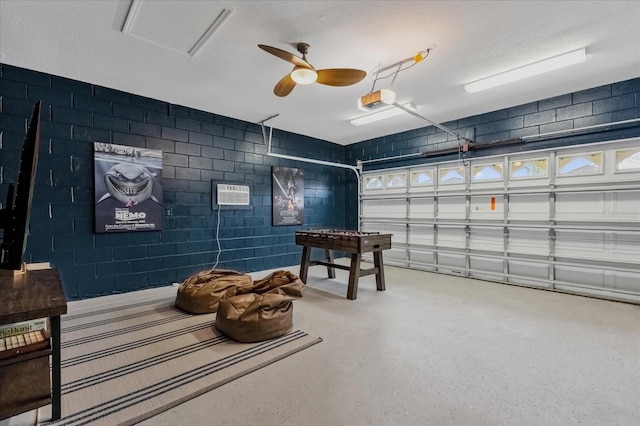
[
  {"x": 397, "y": 254},
  {"x": 626, "y": 246},
  {"x": 487, "y": 207},
  {"x": 397, "y": 230},
  {"x": 580, "y": 244},
  {"x": 421, "y": 235},
  {"x": 586, "y": 206},
  {"x": 421, "y": 208},
  {"x": 623, "y": 206},
  {"x": 610, "y": 246},
  {"x": 398, "y": 233},
  {"x": 455, "y": 263},
  {"x": 421, "y": 258},
  {"x": 627, "y": 281},
  {"x": 529, "y": 269},
  {"x": 529, "y": 241},
  {"x": 452, "y": 207},
  {"x": 486, "y": 264},
  {"x": 529, "y": 207},
  {"x": 486, "y": 239},
  {"x": 451, "y": 238},
  {"x": 395, "y": 208},
  {"x": 373, "y": 208},
  {"x": 605, "y": 206},
  {"x": 580, "y": 276}
]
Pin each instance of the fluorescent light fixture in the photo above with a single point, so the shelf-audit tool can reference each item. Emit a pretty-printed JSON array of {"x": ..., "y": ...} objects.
[
  {"x": 382, "y": 114},
  {"x": 530, "y": 70},
  {"x": 302, "y": 75}
]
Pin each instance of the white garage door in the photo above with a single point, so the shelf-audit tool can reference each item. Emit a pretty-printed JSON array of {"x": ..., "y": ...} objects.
[{"x": 564, "y": 218}]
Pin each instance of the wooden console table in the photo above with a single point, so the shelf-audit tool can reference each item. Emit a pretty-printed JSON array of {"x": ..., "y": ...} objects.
[
  {"x": 354, "y": 242},
  {"x": 24, "y": 378}
]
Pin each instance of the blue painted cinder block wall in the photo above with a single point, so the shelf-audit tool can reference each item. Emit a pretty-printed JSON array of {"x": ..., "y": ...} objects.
[{"x": 197, "y": 147}]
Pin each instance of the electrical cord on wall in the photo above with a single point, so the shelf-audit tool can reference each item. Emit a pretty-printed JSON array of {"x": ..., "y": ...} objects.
[
  {"x": 462, "y": 154},
  {"x": 217, "y": 238}
]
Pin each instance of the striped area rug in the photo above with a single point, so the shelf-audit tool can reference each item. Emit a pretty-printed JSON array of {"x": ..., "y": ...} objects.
[{"x": 126, "y": 364}]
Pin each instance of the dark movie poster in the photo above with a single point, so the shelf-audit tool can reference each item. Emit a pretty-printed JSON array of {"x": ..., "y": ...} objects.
[
  {"x": 288, "y": 196},
  {"x": 128, "y": 188}
]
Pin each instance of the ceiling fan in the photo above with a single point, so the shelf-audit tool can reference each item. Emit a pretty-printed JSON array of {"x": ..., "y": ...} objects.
[{"x": 304, "y": 73}]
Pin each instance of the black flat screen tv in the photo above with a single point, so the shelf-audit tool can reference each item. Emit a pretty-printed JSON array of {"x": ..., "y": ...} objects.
[{"x": 14, "y": 217}]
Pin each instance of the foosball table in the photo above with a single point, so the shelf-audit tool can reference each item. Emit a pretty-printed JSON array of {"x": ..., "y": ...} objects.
[{"x": 354, "y": 242}]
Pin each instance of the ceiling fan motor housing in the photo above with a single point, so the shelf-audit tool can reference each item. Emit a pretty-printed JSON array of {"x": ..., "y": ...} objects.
[{"x": 303, "y": 48}]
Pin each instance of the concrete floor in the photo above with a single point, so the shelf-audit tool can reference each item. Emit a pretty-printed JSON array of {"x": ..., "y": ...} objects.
[{"x": 433, "y": 350}]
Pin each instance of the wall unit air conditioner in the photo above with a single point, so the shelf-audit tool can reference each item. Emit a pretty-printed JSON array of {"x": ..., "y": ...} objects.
[{"x": 232, "y": 194}]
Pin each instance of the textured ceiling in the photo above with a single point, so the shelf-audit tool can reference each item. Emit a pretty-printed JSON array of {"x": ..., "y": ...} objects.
[{"x": 229, "y": 75}]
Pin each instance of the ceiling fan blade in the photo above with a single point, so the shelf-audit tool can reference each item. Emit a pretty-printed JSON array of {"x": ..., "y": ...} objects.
[
  {"x": 284, "y": 86},
  {"x": 340, "y": 76},
  {"x": 282, "y": 54}
]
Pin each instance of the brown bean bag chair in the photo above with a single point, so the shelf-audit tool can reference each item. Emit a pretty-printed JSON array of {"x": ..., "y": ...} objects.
[
  {"x": 263, "y": 312},
  {"x": 279, "y": 282},
  {"x": 201, "y": 292}
]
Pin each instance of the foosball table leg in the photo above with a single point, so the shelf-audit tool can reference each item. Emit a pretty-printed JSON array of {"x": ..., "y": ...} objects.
[
  {"x": 329, "y": 255},
  {"x": 377, "y": 261},
  {"x": 354, "y": 275},
  {"x": 304, "y": 263}
]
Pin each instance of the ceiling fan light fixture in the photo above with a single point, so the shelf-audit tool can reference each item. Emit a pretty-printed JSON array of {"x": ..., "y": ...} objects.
[{"x": 303, "y": 75}]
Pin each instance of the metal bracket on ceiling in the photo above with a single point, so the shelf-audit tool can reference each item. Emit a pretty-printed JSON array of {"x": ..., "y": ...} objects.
[
  {"x": 267, "y": 142},
  {"x": 356, "y": 169}
]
